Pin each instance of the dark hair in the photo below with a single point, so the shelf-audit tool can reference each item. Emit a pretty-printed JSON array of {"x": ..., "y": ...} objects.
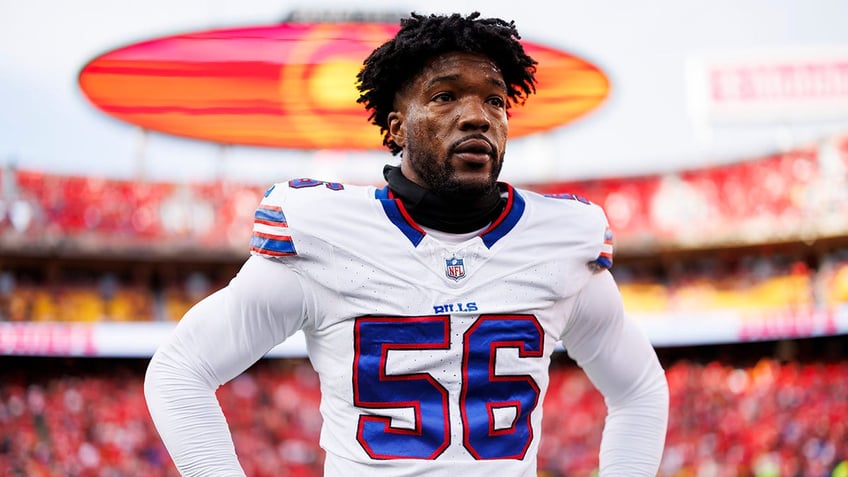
[{"x": 391, "y": 66}]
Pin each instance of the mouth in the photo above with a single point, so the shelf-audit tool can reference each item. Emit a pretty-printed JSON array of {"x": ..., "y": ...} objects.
[{"x": 474, "y": 150}]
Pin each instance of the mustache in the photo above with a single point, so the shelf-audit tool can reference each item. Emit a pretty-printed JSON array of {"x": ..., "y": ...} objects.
[{"x": 477, "y": 136}]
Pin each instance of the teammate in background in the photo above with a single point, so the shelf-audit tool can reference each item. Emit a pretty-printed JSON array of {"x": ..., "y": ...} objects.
[{"x": 430, "y": 306}]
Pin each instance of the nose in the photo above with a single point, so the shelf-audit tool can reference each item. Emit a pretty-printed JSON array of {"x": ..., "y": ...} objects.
[{"x": 473, "y": 116}]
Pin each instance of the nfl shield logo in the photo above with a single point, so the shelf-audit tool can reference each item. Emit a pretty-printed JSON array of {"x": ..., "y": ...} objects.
[{"x": 455, "y": 268}]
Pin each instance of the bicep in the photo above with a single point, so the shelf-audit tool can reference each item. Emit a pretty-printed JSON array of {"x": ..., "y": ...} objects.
[
  {"x": 217, "y": 339},
  {"x": 226, "y": 332}
]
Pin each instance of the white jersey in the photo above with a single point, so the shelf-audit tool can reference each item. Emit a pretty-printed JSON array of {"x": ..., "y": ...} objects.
[{"x": 433, "y": 354}]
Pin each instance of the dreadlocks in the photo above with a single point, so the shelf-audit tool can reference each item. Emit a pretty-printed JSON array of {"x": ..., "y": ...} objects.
[{"x": 420, "y": 38}]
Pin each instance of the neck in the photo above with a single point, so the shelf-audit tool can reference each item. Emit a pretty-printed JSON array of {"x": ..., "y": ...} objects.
[{"x": 447, "y": 215}]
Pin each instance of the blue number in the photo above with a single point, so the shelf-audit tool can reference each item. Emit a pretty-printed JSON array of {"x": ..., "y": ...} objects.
[
  {"x": 373, "y": 388},
  {"x": 483, "y": 394},
  {"x": 301, "y": 183}
]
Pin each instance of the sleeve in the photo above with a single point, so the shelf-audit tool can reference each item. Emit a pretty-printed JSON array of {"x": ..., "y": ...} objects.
[
  {"x": 604, "y": 241},
  {"x": 621, "y": 363},
  {"x": 217, "y": 339},
  {"x": 271, "y": 236}
]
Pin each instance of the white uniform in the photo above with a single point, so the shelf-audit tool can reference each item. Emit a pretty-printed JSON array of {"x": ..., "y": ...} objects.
[{"x": 432, "y": 351}]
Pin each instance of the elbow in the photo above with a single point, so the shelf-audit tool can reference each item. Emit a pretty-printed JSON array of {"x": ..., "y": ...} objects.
[
  {"x": 654, "y": 393},
  {"x": 156, "y": 379},
  {"x": 152, "y": 378},
  {"x": 649, "y": 397},
  {"x": 172, "y": 375}
]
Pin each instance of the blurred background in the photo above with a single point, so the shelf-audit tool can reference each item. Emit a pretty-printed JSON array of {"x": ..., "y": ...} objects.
[{"x": 136, "y": 139}]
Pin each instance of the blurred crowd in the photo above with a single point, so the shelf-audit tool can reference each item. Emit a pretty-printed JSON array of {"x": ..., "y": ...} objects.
[
  {"x": 88, "y": 296},
  {"x": 770, "y": 417},
  {"x": 85, "y": 249},
  {"x": 791, "y": 196},
  {"x": 764, "y": 282}
]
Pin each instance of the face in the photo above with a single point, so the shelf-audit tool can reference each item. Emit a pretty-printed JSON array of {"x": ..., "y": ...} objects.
[{"x": 451, "y": 122}]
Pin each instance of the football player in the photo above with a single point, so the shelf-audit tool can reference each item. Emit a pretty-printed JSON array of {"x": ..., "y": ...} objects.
[{"x": 430, "y": 306}]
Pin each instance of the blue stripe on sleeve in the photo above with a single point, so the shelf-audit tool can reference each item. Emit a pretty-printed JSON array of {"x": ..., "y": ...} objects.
[{"x": 272, "y": 246}]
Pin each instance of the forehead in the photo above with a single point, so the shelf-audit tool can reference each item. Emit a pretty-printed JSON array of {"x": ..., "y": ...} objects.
[{"x": 457, "y": 66}]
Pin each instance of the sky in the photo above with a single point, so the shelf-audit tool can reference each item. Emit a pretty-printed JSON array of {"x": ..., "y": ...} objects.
[{"x": 649, "y": 124}]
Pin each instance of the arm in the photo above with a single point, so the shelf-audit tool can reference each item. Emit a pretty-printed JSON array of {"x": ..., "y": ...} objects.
[
  {"x": 623, "y": 366},
  {"x": 218, "y": 339}
]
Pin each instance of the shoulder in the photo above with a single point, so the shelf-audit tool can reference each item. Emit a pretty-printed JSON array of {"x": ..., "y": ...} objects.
[
  {"x": 305, "y": 189},
  {"x": 575, "y": 212},
  {"x": 572, "y": 205},
  {"x": 576, "y": 219},
  {"x": 301, "y": 207},
  {"x": 310, "y": 195}
]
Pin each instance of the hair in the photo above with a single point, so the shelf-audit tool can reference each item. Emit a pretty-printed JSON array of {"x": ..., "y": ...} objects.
[{"x": 398, "y": 61}]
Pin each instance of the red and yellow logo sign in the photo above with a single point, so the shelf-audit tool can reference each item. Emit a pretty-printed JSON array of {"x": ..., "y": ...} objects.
[{"x": 292, "y": 86}]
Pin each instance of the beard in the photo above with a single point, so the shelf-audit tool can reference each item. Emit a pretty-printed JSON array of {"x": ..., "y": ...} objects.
[{"x": 440, "y": 176}]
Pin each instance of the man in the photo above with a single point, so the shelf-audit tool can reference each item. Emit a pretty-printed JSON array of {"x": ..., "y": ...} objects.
[{"x": 430, "y": 307}]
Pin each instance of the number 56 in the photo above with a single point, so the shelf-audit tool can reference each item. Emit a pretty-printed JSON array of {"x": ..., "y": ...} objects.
[{"x": 482, "y": 393}]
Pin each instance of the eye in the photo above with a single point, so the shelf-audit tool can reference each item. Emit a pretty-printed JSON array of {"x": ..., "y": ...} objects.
[
  {"x": 497, "y": 102},
  {"x": 443, "y": 97}
]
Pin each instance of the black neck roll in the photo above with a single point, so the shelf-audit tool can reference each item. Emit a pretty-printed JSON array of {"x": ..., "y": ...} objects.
[{"x": 436, "y": 212}]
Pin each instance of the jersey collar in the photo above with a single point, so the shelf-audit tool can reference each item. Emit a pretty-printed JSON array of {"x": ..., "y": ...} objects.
[{"x": 506, "y": 221}]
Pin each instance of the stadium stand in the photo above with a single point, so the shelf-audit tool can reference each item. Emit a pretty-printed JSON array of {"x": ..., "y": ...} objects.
[
  {"x": 772, "y": 409},
  {"x": 771, "y": 242}
]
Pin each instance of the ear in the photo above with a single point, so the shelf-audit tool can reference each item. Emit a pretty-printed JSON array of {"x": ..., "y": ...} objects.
[{"x": 397, "y": 131}]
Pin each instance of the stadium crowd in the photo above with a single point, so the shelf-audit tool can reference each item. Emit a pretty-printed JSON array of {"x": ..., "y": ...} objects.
[
  {"x": 795, "y": 195},
  {"x": 761, "y": 282},
  {"x": 781, "y": 413},
  {"x": 732, "y": 414}
]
